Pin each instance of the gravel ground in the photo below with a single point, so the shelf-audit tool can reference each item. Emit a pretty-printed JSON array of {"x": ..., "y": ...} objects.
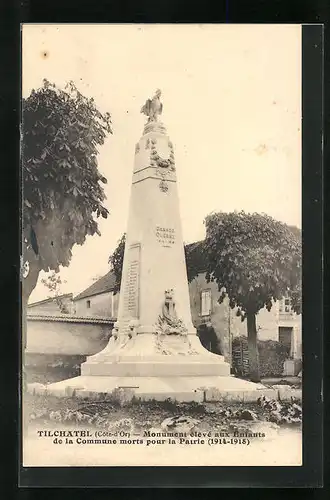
[
  {"x": 210, "y": 416},
  {"x": 269, "y": 445}
]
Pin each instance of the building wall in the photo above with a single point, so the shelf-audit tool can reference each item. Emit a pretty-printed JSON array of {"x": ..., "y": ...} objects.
[
  {"x": 227, "y": 325},
  {"x": 267, "y": 323},
  {"x": 295, "y": 323},
  {"x": 220, "y": 313},
  {"x": 50, "y": 308},
  {"x": 102, "y": 305}
]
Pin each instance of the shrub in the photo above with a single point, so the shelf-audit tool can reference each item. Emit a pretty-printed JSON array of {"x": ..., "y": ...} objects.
[{"x": 272, "y": 356}]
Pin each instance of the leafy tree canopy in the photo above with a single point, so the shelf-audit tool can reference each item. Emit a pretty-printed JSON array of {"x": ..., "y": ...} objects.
[
  {"x": 256, "y": 258},
  {"x": 116, "y": 261},
  {"x": 53, "y": 282},
  {"x": 195, "y": 260},
  {"x": 62, "y": 187}
]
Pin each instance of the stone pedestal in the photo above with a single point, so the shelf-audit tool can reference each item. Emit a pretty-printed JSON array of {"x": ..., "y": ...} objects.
[{"x": 154, "y": 334}]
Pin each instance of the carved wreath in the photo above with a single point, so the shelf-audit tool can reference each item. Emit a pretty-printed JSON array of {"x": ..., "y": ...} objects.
[
  {"x": 162, "y": 163},
  {"x": 166, "y": 326}
]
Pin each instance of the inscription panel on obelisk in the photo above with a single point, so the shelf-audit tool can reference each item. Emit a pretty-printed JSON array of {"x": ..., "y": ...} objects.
[
  {"x": 165, "y": 236},
  {"x": 132, "y": 282}
]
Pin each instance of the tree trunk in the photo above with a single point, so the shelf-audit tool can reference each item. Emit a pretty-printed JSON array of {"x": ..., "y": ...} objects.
[
  {"x": 28, "y": 285},
  {"x": 253, "y": 348}
]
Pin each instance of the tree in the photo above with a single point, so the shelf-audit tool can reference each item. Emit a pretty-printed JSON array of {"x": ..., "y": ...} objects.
[
  {"x": 54, "y": 282},
  {"x": 193, "y": 254},
  {"x": 255, "y": 260},
  {"x": 61, "y": 132},
  {"x": 195, "y": 261},
  {"x": 116, "y": 261}
]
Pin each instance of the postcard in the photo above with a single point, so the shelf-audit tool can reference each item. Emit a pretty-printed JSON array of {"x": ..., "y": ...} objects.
[{"x": 161, "y": 248}]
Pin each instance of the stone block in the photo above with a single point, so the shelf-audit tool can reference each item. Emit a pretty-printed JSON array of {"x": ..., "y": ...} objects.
[
  {"x": 217, "y": 395},
  {"x": 233, "y": 396},
  {"x": 240, "y": 395},
  {"x": 281, "y": 387},
  {"x": 291, "y": 367},
  {"x": 108, "y": 396},
  {"x": 180, "y": 397},
  {"x": 122, "y": 395},
  {"x": 285, "y": 394},
  {"x": 102, "y": 396},
  {"x": 59, "y": 392},
  {"x": 212, "y": 394},
  {"x": 70, "y": 391},
  {"x": 252, "y": 396},
  {"x": 36, "y": 388},
  {"x": 83, "y": 394}
]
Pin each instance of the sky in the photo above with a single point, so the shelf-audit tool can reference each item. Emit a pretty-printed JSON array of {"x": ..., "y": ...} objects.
[{"x": 231, "y": 104}]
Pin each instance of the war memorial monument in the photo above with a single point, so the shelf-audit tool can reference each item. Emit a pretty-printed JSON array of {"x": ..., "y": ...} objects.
[{"x": 154, "y": 351}]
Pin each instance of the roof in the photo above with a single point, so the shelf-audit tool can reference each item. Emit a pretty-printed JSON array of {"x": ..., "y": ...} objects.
[
  {"x": 194, "y": 257},
  {"x": 51, "y": 299},
  {"x": 103, "y": 285},
  {"x": 65, "y": 318},
  {"x": 195, "y": 245}
]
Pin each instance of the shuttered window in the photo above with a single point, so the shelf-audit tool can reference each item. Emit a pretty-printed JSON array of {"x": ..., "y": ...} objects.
[{"x": 206, "y": 302}]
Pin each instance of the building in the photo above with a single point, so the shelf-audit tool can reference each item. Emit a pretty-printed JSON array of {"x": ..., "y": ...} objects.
[
  {"x": 53, "y": 306},
  {"x": 280, "y": 323},
  {"x": 98, "y": 299}
]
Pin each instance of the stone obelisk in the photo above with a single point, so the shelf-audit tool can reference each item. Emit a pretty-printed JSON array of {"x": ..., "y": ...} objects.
[
  {"x": 154, "y": 335},
  {"x": 154, "y": 350}
]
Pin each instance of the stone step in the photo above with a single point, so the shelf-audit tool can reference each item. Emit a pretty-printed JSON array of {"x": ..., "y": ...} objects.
[
  {"x": 181, "y": 389},
  {"x": 154, "y": 368}
]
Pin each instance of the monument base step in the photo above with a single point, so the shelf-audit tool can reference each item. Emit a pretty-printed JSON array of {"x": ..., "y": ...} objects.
[
  {"x": 180, "y": 389},
  {"x": 171, "y": 366},
  {"x": 156, "y": 356}
]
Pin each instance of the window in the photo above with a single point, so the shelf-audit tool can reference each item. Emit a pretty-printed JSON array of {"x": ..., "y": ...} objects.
[
  {"x": 206, "y": 302},
  {"x": 88, "y": 304},
  {"x": 285, "y": 305}
]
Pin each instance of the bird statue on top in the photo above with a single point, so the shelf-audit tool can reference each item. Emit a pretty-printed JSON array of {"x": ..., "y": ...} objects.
[{"x": 153, "y": 107}]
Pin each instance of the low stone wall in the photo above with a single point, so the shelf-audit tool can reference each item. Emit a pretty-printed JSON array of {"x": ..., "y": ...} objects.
[{"x": 67, "y": 335}]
